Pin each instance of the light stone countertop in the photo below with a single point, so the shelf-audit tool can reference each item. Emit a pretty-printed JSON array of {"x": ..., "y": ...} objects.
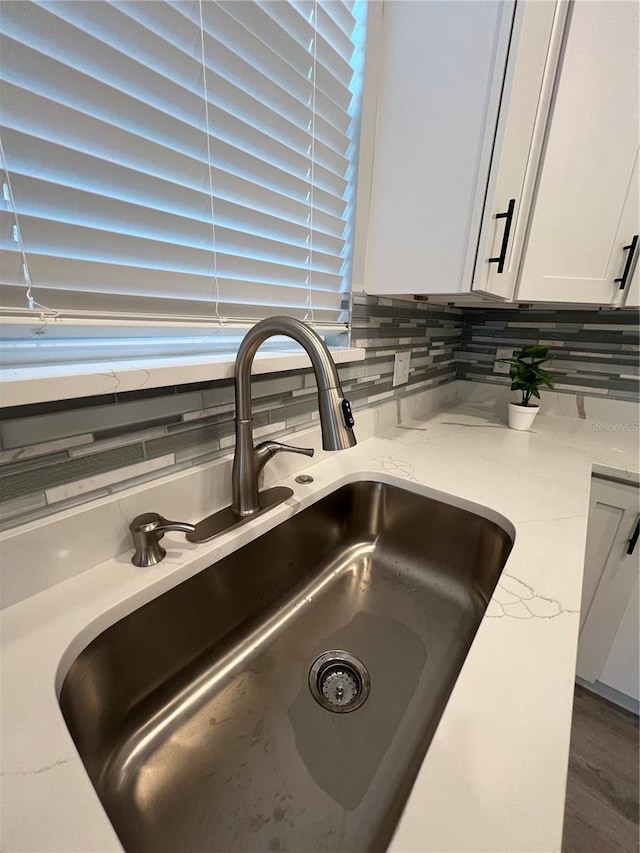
[{"x": 494, "y": 776}]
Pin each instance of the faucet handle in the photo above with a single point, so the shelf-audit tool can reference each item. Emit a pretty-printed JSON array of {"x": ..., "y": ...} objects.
[
  {"x": 277, "y": 446},
  {"x": 264, "y": 451}
]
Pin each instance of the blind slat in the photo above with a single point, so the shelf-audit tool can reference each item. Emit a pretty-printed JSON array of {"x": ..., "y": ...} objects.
[
  {"x": 171, "y": 250},
  {"x": 280, "y": 72},
  {"x": 298, "y": 20},
  {"x": 236, "y": 138},
  {"x": 37, "y": 116},
  {"x": 259, "y": 25},
  {"x": 72, "y": 168},
  {"x": 71, "y": 274},
  {"x": 157, "y": 40},
  {"x": 341, "y": 13},
  {"x": 55, "y": 202},
  {"x": 152, "y": 100}
]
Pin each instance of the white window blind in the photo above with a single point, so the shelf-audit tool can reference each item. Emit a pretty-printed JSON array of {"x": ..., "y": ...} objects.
[{"x": 189, "y": 164}]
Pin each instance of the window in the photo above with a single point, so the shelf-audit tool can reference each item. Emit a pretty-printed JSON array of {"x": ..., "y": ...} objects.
[{"x": 174, "y": 171}]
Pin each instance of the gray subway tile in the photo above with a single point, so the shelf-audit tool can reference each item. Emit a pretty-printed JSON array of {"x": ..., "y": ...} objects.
[
  {"x": 141, "y": 426},
  {"x": 137, "y": 435},
  {"x": 350, "y": 372},
  {"x": 218, "y": 394},
  {"x": 622, "y": 395},
  {"x": 47, "y": 510},
  {"x": 78, "y": 500},
  {"x": 226, "y": 408},
  {"x": 299, "y": 420},
  {"x": 58, "y": 473},
  {"x": 187, "y": 439},
  {"x": 198, "y": 451},
  {"x": 34, "y": 462},
  {"x": 20, "y": 506},
  {"x": 293, "y": 410},
  {"x": 175, "y": 442},
  {"x": 280, "y": 385},
  {"x": 53, "y": 406},
  {"x": 148, "y": 477},
  {"x": 222, "y": 416},
  {"x": 23, "y": 453},
  {"x": 25, "y": 431}
]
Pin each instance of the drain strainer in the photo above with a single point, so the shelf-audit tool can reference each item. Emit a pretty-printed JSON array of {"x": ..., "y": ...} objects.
[{"x": 339, "y": 681}]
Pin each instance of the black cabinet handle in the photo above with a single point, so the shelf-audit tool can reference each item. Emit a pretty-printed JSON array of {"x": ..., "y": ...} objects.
[
  {"x": 634, "y": 538},
  {"x": 508, "y": 215},
  {"x": 631, "y": 248}
]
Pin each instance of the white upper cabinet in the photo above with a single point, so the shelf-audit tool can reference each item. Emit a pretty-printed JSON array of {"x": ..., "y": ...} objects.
[
  {"x": 506, "y": 152},
  {"x": 585, "y": 213},
  {"x": 533, "y": 57},
  {"x": 441, "y": 68},
  {"x": 628, "y": 283}
]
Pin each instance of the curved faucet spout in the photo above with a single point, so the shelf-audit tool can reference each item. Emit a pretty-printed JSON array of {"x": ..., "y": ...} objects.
[{"x": 336, "y": 419}]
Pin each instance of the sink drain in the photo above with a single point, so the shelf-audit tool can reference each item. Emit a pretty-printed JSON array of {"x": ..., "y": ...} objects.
[{"x": 339, "y": 681}]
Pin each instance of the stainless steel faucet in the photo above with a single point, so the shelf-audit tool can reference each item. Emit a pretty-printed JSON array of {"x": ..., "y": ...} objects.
[{"x": 336, "y": 420}]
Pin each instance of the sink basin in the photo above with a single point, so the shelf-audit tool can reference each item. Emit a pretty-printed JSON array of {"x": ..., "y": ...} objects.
[{"x": 194, "y": 715}]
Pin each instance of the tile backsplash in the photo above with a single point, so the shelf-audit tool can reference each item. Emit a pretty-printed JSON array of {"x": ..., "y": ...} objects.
[
  {"x": 595, "y": 352},
  {"x": 56, "y": 455}
]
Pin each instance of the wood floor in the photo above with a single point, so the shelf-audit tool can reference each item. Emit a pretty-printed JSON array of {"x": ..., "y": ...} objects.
[{"x": 601, "y": 812}]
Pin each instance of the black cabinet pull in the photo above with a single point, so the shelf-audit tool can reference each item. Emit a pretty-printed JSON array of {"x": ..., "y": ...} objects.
[
  {"x": 634, "y": 538},
  {"x": 508, "y": 215},
  {"x": 631, "y": 248}
]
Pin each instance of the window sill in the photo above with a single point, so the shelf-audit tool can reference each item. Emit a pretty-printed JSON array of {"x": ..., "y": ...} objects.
[{"x": 21, "y": 386}]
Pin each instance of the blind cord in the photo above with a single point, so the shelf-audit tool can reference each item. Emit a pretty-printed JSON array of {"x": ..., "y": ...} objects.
[
  {"x": 26, "y": 272},
  {"x": 221, "y": 320},
  {"x": 312, "y": 152}
]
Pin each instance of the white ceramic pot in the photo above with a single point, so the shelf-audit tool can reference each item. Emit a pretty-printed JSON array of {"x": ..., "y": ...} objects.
[{"x": 521, "y": 417}]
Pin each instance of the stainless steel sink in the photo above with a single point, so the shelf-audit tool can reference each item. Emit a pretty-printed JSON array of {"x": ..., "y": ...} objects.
[{"x": 194, "y": 715}]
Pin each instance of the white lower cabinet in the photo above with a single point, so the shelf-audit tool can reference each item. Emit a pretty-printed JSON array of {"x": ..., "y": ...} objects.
[
  {"x": 623, "y": 664},
  {"x": 609, "y": 633}
]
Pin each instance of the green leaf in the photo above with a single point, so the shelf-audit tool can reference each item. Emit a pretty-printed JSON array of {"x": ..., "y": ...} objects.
[{"x": 535, "y": 351}]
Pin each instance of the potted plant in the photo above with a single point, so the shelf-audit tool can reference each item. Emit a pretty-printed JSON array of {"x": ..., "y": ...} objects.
[{"x": 527, "y": 376}]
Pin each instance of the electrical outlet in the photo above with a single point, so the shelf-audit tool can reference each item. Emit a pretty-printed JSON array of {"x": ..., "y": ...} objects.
[
  {"x": 401, "y": 368},
  {"x": 502, "y": 352}
]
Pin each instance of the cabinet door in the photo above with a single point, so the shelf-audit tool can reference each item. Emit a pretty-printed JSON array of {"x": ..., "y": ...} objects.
[
  {"x": 632, "y": 299},
  {"x": 628, "y": 247},
  {"x": 533, "y": 59},
  {"x": 575, "y": 246},
  {"x": 622, "y": 666},
  {"x": 441, "y": 71},
  {"x": 609, "y": 573}
]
